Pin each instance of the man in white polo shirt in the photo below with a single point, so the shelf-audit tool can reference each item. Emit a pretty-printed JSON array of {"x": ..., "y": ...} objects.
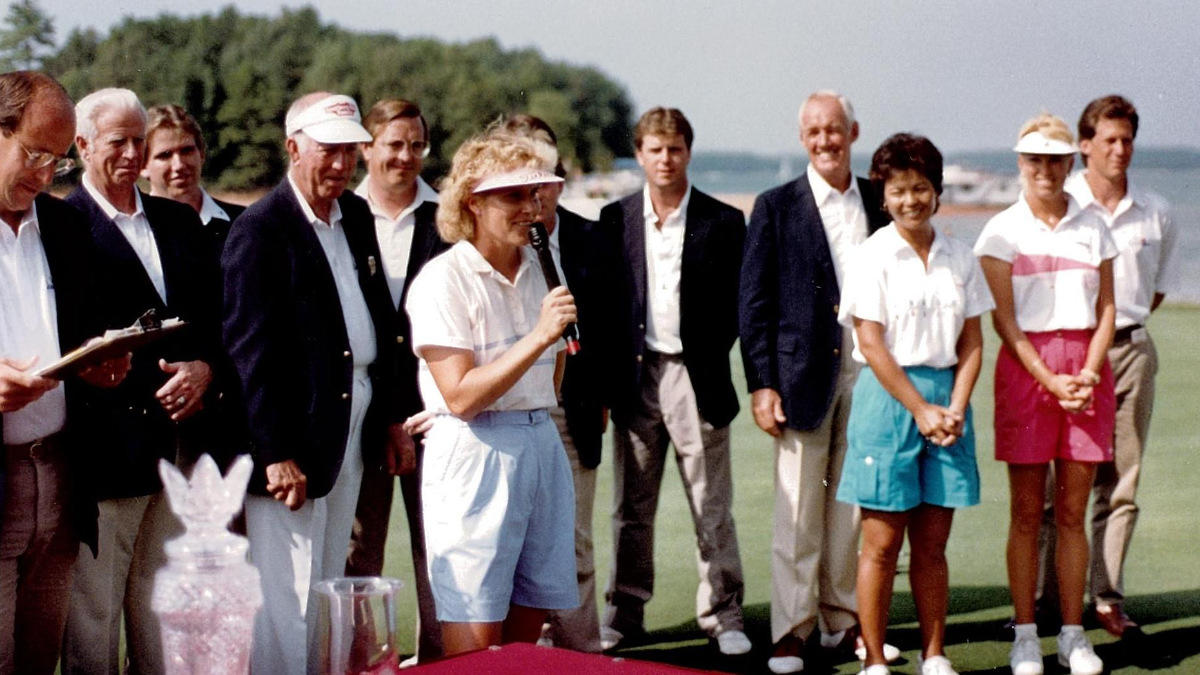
[{"x": 1145, "y": 270}]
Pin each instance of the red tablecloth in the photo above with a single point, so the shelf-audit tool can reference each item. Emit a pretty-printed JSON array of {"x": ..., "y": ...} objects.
[{"x": 522, "y": 658}]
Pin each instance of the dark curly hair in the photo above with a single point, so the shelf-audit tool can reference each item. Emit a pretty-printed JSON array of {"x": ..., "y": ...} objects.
[{"x": 901, "y": 152}]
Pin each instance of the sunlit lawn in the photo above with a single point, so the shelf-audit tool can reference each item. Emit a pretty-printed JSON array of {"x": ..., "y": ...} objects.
[{"x": 1163, "y": 575}]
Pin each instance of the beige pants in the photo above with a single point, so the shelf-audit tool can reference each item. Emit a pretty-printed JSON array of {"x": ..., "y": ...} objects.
[
  {"x": 578, "y": 628},
  {"x": 668, "y": 414},
  {"x": 121, "y": 578},
  {"x": 814, "y": 552},
  {"x": 1115, "y": 509}
]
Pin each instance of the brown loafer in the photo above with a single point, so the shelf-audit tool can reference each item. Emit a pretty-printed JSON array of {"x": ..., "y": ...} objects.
[{"x": 1113, "y": 619}]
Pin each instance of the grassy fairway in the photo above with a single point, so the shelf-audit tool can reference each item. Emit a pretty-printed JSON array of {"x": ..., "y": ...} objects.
[{"x": 1163, "y": 575}]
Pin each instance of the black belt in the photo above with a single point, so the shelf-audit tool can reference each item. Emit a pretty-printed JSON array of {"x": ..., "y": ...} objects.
[
  {"x": 1125, "y": 334},
  {"x": 45, "y": 447}
]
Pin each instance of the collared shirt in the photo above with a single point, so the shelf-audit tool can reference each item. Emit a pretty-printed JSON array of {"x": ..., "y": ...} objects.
[
  {"x": 460, "y": 301},
  {"x": 664, "y": 269},
  {"x": 136, "y": 229},
  {"x": 395, "y": 235},
  {"x": 1145, "y": 235},
  {"x": 29, "y": 326},
  {"x": 1055, "y": 271},
  {"x": 359, "y": 328},
  {"x": 843, "y": 216},
  {"x": 209, "y": 208},
  {"x": 921, "y": 306}
]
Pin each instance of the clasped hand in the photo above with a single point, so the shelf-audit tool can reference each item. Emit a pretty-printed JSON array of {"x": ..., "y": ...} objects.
[
  {"x": 940, "y": 425},
  {"x": 1074, "y": 392}
]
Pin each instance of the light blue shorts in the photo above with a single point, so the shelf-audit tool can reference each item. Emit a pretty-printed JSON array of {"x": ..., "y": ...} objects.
[
  {"x": 499, "y": 508},
  {"x": 889, "y": 465}
]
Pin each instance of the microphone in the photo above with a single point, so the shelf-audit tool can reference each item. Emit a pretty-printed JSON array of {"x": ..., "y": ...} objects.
[{"x": 541, "y": 243}]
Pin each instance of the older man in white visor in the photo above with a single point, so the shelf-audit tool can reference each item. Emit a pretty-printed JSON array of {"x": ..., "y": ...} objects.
[{"x": 308, "y": 323}]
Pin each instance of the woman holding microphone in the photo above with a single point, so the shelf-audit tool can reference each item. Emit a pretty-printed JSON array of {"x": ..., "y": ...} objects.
[
  {"x": 1049, "y": 265},
  {"x": 498, "y": 497}
]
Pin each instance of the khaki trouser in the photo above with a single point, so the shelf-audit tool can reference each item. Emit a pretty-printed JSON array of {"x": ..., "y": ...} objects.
[
  {"x": 814, "y": 552},
  {"x": 132, "y": 533},
  {"x": 1114, "y": 507},
  {"x": 668, "y": 414}
]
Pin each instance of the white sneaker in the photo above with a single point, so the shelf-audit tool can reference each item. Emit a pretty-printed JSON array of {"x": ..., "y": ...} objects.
[
  {"x": 609, "y": 637},
  {"x": 935, "y": 665},
  {"x": 1075, "y": 652},
  {"x": 733, "y": 642},
  {"x": 877, "y": 669},
  {"x": 890, "y": 652},
  {"x": 1026, "y": 656}
]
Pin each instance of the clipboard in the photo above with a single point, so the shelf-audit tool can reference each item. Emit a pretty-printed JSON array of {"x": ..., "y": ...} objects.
[{"x": 146, "y": 330}]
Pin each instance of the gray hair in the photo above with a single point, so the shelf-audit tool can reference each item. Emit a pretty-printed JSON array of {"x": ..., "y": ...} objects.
[
  {"x": 91, "y": 107},
  {"x": 847, "y": 109}
]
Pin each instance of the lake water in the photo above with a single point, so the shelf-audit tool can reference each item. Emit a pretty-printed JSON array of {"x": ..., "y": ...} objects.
[{"x": 1180, "y": 186}]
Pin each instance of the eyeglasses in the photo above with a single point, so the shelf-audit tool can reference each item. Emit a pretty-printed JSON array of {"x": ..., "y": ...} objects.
[{"x": 40, "y": 159}]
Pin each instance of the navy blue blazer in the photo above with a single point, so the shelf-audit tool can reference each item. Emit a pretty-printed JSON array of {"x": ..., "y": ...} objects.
[
  {"x": 283, "y": 328},
  {"x": 790, "y": 335},
  {"x": 712, "y": 255},
  {"x": 132, "y": 431},
  {"x": 579, "y": 242},
  {"x": 68, "y": 245}
]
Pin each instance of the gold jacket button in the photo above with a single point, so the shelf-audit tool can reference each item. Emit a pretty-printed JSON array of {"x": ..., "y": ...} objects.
[
  {"x": 836, "y": 351},
  {"x": 835, "y": 308},
  {"x": 399, "y": 339},
  {"x": 345, "y": 397},
  {"x": 639, "y": 358},
  {"x": 346, "y": 354}
]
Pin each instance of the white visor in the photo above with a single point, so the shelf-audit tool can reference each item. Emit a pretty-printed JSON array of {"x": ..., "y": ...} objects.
[
  {"x": 1035, "y": 143},
  {"x": 517, "y": 178},
  {"x": 334, "y": 119}
]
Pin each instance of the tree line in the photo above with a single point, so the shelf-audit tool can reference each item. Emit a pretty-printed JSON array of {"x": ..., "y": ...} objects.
[{"x": 237, "y": 74}]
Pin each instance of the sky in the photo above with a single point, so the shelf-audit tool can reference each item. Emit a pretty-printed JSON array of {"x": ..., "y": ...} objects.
[{"x": 966, "y": 73}]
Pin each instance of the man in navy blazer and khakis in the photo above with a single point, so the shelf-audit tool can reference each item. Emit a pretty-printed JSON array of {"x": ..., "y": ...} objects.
[
  {"x": 308, "y": 322},
  {"x": 798, "y": 366},
  {"x": 674, "y": 322},
  {"x": 151, "y": 253}
]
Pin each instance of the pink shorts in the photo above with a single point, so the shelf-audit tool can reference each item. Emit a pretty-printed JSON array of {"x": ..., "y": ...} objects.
[{"x": 1031, "y": 427}]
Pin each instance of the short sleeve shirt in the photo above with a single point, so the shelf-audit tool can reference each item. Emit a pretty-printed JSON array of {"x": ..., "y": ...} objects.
[
  {"x": 1144, "y": 232},
  {"x": 922, "y": 307},
  {"x": 1055, "y": 271},
  {"x": 459, "y": 300}
]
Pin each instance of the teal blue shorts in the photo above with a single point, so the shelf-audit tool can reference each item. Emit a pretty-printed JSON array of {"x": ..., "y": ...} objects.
[{"x": 889, "y": 465}]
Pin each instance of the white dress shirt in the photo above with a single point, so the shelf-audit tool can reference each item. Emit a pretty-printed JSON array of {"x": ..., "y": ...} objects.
[
  {"x": 29, "y": 326},
  {"x": 359, "y": 328},
  {"x": 844, "y": 219},
  {"x": 1145, "y": 235},
  {"x": 664, "y": 268},
  {"x": 922, "y": 305},
  {"x": 209, "y": 208},
  {"x": 395, "y": 234},
  {"x": 136, "y": 229}
]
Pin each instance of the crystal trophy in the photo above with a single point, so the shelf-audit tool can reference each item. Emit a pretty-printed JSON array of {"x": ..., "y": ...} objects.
[
  {"x": 207, "y": 594},
  {"x": 356, "y": 626}
]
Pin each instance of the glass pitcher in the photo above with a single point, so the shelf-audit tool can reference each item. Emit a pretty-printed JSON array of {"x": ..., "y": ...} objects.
[{"x": 356, "y": 626}]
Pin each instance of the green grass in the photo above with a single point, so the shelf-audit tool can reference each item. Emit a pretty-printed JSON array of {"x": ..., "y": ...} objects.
[{"x": 1162, "y": 576}]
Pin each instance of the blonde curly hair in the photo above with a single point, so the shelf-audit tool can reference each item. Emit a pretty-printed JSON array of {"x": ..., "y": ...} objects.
[
  {"x": 486, "y": 154},
  {"x": 1051, "y": 126}
]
